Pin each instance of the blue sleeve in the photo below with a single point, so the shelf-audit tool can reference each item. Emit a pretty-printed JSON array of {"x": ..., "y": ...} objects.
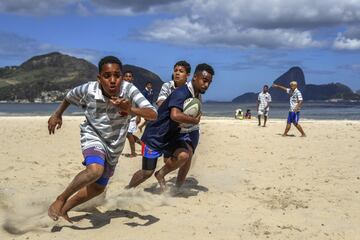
[{"x": 177, "y": 98}]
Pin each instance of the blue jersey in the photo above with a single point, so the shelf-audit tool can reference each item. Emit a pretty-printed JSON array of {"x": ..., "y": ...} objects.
[
  {"x": 148, "y": 94},
  {"x": 159, "y": 134}
]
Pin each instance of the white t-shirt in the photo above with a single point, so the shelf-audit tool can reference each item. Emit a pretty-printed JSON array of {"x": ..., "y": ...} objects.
[
  {"x": 264, "y": 99},
  {"x": 295, "y": 97}
]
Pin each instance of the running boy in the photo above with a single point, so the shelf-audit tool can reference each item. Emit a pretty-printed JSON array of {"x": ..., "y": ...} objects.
[
  {"x": 181, "y": 72},
  {"x": 163, "y": 135},
  {"x": 108, "y": 104}
]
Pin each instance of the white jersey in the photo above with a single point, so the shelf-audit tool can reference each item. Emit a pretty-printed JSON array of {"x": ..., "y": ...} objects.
[
  {"x": 295, "y": 97},
  {"x": 264, "y": 100}
]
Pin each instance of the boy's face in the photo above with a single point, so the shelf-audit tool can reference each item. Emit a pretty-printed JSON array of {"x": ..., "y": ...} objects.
[
  {"x": 202, "y": 81},
  {"x": 180, "y": 75},
  {"x": 149, "y": 86},
  {"x": 128, "y": 77},
  {"x": 110, "y": 79},
  {"x": 293, "y": 86},
  {"x": 265, "y": 89}
]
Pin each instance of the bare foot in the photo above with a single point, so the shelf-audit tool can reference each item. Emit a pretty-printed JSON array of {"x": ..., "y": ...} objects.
[
  {"x": 55, "y": 208},
  {"x": 66, "y": 217},
  {"x": 264, "y": 126},
  {"x": 304, "y": 135},
  {"x": 130, "y": 155},
  {"x": 161, "y": 181},
  {"x": 285, "y": 135}
]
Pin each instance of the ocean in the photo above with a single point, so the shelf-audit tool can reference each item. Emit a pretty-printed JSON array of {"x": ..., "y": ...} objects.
[{"x": 310, "y": 110}]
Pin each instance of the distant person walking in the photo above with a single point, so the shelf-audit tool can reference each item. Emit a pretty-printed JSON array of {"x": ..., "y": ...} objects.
[
  {"x": 134, "y": 121},
  {"x": 296, "y": 101},
  {"x": 149, "y": 95},
  {"x": 263, "y": 104},
  {"x": 148, "y": 92}
]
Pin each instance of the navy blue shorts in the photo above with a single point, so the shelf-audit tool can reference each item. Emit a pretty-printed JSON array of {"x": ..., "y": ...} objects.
[
  {"x": 293, "y": 117},
  {"x": 95, "y": 155},
  {"x": 150, "y": 156},
  {"x": 192, "y": 138}
]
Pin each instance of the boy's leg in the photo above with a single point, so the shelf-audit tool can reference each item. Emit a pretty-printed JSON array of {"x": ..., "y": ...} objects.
[
  {"x": 136, "y": 139},
  {"x": 92, "y": 173},
  {"x": 297, "y": 125},
  {"x": 183, "y": 171},
  {"x": 287, "y": 129},
  {"x": 300, "y": 130},
  {"x": 290, "y": 119},
  {"x": 181, "y": 156},
  {"x": 259, "y": 119},
  {"x": 140, "y": 177},
  {"x": 131, "y": 139},
  {"x": 193, "y": 139},
  {"x": 265, "y": 119},
  {"x": 149, "y": 162},
  {"x": 84, "y": 194}
]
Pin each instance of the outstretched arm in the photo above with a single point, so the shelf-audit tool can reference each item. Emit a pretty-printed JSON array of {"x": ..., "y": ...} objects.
[
  {"x": 124, "y": 105},
  {"x": 55, "y": 120},
  {"x": 280, "y": 87},
  {"x": 147, "y": 113},
  {"x": 178, "y": 116}
]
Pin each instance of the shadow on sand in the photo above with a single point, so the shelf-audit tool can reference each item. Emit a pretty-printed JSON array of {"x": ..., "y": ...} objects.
[
  {"x": 98, "y": 219},
  {"x": 190, "y": 188}
]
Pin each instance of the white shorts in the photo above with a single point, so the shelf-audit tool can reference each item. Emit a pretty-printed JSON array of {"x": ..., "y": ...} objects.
[
  {"x": 132, "y": 126},
  {"x": 264, "y": 112}
]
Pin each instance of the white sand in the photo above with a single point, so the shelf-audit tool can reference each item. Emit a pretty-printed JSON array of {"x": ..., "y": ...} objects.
[{"x": 247, "y": 182}]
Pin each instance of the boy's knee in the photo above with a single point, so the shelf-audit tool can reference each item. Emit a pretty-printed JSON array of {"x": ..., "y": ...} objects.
[
  {"x": 184, "y": 156},
  {"x": 95, "y": 171},
  {"x": 147, "y": 173}
]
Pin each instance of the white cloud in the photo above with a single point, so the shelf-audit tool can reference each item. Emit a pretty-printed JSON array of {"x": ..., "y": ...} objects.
[
  {"x": 259, "y": 23},
  {"x": 184, "y": 30},
  {"x": 343, "y": 43},
  {"x": 36, "y": 7},
  {"x": 240, "y": 23}
]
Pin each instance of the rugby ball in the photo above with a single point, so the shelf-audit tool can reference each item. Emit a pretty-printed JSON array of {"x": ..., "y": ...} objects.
[{"x": 192, "y": 107}]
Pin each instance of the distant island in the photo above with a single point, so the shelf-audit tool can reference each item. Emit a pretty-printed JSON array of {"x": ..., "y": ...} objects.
[
  {"x": 333, "y": 92},
  {"x": 47, "y": 78}
]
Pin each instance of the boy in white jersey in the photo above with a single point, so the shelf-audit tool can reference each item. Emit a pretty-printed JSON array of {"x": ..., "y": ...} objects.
[
  {"x": 263, "y": 103},
  {"x": 134, "y": 121},
  {"x": 108, "y": 104},
  {"x": 296, "y": 101}
]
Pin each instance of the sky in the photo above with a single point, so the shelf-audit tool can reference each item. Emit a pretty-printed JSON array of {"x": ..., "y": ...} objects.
[{"x": 248, "y": 43}]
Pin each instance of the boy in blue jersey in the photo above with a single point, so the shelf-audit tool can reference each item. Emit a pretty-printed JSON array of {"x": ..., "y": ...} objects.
[{"x": 163, "y": 135}]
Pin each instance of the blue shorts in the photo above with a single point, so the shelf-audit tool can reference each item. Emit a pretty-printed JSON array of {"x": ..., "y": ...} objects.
[
  {"x": 95, "y": 155},
  {"x": 150, "y": 156},
  {"x": 192, "y": 138},
  {"x": 293, "y": 117}
]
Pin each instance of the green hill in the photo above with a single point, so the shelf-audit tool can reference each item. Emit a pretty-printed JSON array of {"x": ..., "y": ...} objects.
[{"x": 49, "y": 76}]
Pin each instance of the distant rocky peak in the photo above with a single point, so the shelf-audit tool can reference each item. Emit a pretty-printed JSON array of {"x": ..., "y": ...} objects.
[
  {"x": 293, "y": 74},
  {"x": 54, "y": 59}
]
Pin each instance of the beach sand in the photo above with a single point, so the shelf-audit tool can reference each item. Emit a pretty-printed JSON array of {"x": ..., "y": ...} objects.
[{"x": 246, "y": 182}]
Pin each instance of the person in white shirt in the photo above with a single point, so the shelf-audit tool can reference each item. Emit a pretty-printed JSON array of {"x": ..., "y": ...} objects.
[
  {"x": 296, "y": 101},
  {"x": 263, "y": 104},
  {"x": 134, "y": 121}
]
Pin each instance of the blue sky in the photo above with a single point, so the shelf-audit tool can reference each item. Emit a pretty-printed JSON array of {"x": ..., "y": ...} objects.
[{"x": 248, "y": 43}]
